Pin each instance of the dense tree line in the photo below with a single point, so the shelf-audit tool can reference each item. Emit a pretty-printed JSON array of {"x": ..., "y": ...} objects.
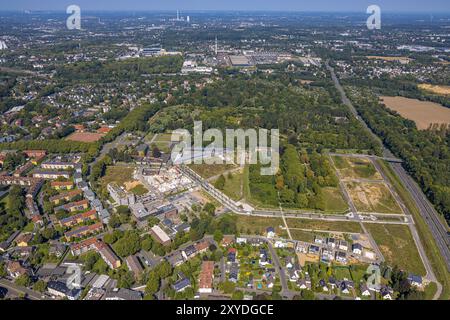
[
  {"x": 426, "y": 154},
  {"x": 129, "y": 70},
  {"x": 11, "y": 215},
  {"x": 311, "y": 114},
  {"x": 299, "y": 182}
]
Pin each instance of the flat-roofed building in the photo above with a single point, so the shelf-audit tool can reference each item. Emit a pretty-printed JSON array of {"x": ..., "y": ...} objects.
[
  {"x": 57, "y": 165},
  {"x": 239, "y": 61},
  {"x": 139, "y": 211},
  {"x": 120, "y": 196},
  {"x": 43, "y": 174},
  {"x": 160, "y": 235}
]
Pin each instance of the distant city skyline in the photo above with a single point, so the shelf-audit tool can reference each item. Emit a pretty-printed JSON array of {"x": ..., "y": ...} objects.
[{"x": 238, "y": 5}]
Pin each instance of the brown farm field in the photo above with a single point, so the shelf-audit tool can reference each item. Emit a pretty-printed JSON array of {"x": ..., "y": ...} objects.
[
  {"x": 85, "y": 136},
  {"x": 372, "y": 197},
  {"x": 390, "y": 59},
  {"x": 356, "y": 168},
  {"x": 437, "y": 89},
  {"x": 423, "y": 113}
]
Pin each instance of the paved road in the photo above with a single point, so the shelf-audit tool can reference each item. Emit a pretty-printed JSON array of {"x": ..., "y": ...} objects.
[
  {"x": 285, "y": 292},
  {"x": 355, "y": 155},
  {"x": 354, "y": 210},
  {"x": 431, "y": 217},
  {"x": 19, "y": 290},
  {"x": 233, "y": 206},
  {"x": 426, "y": 209}
]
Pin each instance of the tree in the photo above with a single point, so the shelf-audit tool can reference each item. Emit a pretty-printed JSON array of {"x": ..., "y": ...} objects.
[
  {"x": 237, "y": 295},
  {"x": 23, "y": 280},
  {"x": 40, "y": 286},
  {"x": 147, "y": 243},
  {"x": 210, "y": 208},
  {"x": 164, "y": 269},
  {"x": 307, "y": 295},
  {"x": 126, "y": 280},
  {"x": 152, "y": 283},
  {"x": 128, "y": 245},
  {"x": 220, "y": 182},
  {"x": 3, "y": 272},
  {"x": 228, "y": 287},
  {"x": 90, "y": 259},
  {"x": 156, "y": 153},
  {"x": 109, "y": 238},
  {"x": 114, "y": 221},
  {"x": 218, "y": 236},
  {"x": 49, "y": 233}
]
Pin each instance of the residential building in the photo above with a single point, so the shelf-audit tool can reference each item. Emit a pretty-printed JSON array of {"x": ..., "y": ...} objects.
[
  {"x": 24, "y": 239},
  {"x": 357, "y": 248},
  {"x": 15, "y": 269},
  {"x": 206, "y": 277},
  {"x": 78, "y": 218},
  {"x": 123, "y": 294},
  {"x": 55, "y": 165},
  {"x": 134, "y": 265},
  {"x": 181, "y": 285},
  {"x": 66, "y": 196},
  {"x": 74, "y": 206},
  {"x": 62, "y": 185},
  {"x": 84, "y": 231},
  {"x": 341, "y": 257},
  {"x": 108, "y": 255},
  {"x": 415, "y": 280},
  {"x": 51, "y": 174}
]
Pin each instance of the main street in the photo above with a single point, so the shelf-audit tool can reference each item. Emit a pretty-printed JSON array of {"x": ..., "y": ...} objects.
[{"x": 21, "y": 291}]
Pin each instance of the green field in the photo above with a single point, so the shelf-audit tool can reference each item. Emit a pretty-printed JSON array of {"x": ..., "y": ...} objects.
[
  {"x": 249, "y": 194},
  {"x": 356, "y": 168},
  {"x": 233, "y": 186},
  {"x": 351, "y": 227},
  {"x": 117, "y": 174},
  {"x": 163, "y": 141},
  {"x": 207, "y": 171},
  {"x": 139, "y": 190},
  {"x": 427, "y": 240},
  {"x": 398, "y": 247},
  {"x": 334, "y": 201},
  {"x": 300, "y": 235},
  {"x": 258, "y": 225}
]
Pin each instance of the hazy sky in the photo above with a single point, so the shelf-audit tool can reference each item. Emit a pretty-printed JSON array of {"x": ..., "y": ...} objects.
[{"x": 284, "y": 5}]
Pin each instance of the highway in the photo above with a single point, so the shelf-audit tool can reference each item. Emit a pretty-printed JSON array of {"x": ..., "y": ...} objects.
[
  {"x": 426, "y": 209},
  {"x": 431, "y": 217}
]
